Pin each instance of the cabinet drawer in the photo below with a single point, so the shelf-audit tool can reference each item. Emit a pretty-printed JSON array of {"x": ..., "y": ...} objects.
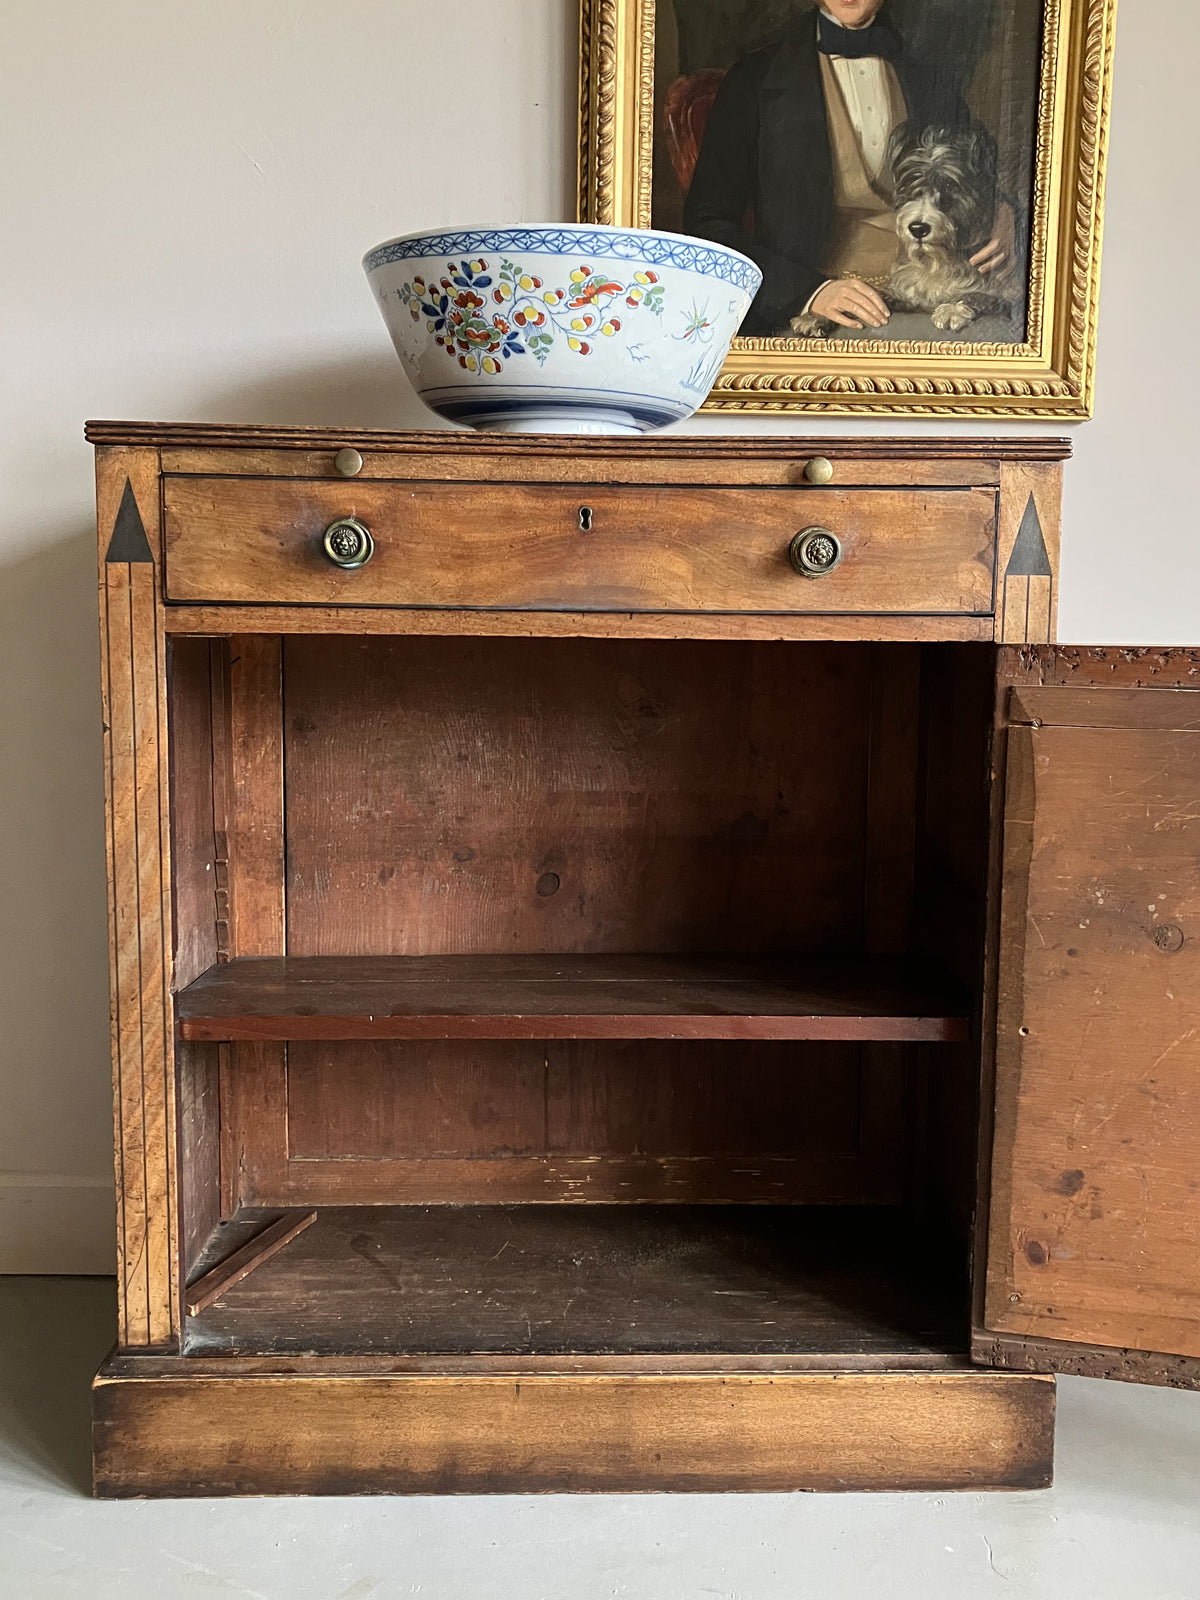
[{"x": 554, "y": 547}]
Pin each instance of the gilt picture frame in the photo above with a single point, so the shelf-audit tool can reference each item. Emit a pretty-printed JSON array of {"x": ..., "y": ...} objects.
[{"x": 1036, "y": 83}]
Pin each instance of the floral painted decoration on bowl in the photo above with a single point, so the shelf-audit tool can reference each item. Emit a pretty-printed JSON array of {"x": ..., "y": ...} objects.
[
  {"x": 532, "y": 317},
  {"x": 560, "y": 328}
]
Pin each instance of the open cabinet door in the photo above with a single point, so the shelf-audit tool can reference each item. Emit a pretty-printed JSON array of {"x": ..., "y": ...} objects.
[{"x": 1093, "y": 1231}]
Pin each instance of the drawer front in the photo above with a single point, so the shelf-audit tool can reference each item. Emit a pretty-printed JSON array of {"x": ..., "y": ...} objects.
[{"x": 551, "y": 547}]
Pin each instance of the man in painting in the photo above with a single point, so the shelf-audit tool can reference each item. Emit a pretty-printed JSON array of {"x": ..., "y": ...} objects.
[{"x": 792, "y": 170}]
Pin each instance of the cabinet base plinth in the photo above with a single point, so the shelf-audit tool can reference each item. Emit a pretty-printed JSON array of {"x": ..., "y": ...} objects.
[{"x": 161, "y": 1429}]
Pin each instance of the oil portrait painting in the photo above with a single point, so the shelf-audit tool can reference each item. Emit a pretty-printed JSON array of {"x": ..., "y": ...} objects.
[{"x": 919, "y": 181}]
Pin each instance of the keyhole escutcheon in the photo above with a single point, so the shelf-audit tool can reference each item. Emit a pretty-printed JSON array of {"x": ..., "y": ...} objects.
[{"x": 585, "y": 519}]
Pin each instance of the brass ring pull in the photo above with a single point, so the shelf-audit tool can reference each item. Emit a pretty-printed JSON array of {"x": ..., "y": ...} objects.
[
  {"x": 348, "y": 543},
  {"x": 814, "y": 552}
]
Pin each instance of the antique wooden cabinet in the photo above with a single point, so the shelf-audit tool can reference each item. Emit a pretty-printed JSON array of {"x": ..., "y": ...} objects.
[{"x": 635, "y": 965}]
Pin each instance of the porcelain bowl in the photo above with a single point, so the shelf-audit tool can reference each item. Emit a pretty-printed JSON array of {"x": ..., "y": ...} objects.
[{"x": 561, "y": 329}]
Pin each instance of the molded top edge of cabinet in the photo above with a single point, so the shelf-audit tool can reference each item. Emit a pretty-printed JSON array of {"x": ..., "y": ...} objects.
[{"x": 187, "y": 435}]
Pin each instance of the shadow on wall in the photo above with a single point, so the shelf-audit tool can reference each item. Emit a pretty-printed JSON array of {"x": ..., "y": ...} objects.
[
  {"x": 54, "y": 1333},
  {"x": 54, "y": 1078},
  {"x": 366, "y": 392}
]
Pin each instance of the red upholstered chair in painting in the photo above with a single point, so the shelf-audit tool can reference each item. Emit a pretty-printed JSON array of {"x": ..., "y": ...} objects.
[{"x": 685, "y": 116}]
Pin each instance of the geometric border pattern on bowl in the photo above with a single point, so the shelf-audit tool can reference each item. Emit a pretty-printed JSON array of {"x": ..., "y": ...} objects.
[{"x": 711, "y": 260}]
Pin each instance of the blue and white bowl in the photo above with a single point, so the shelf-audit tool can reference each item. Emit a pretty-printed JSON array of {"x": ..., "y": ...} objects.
[{"x": 561, "y": 329}]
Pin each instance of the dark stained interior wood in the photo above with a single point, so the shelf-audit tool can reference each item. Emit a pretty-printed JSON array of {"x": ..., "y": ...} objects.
[
  {"x": 951, "y": 867},
  {"x": 474, "y": 831},
  {"x": 200, "y": 1163},
  {"x": 696, "y": 1120},
  {"x": 196, "y": 921},
  {"x": 838, "y": 1285},
  {"x": 193, "y": 839},
  {"x": 423, "y": 1101},
  {"x": 576, "y": 1122},
  {"x": 455, "y": 796},
  {"x": 569, "y": 997},
  {"x": 247, "y": 1258}
]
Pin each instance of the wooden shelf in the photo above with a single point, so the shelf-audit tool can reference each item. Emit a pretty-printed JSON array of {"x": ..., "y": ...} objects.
[
  {"x": 567, "y": 997},
  {"x": 682, "y": 1285}
]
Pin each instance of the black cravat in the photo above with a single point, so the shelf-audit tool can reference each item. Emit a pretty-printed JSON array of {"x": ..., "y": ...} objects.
[{"x": 878, "y": 39}]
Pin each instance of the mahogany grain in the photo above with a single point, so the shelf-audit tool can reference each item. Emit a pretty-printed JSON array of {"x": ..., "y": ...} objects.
[{"x": 528, "y": 547}]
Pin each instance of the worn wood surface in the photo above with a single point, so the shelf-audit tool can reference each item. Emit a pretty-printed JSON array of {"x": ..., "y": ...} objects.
[
  {"x": 950, "y": 878},
  {"x": 461, "y": 445},
  {"x": 1144, "y": 709},
  {"x": 613, "y": 777},
  {"x": 199, "y": 1186},
  {"x": 705, "y": 1363},
  {"x": 602, "y": 1280},
  {"x": 639, "y": 790},
  {"x": 136, "y": 779},
  {"x": 198, "y": 920},
  {"x": 256, "y": 818},
  {"x": 265, "y": 1243},
  {"x": 194, "y": 852},
  {"x": 594, "y": 1120},
  {"x": 594, "y": 1178},
  {"x": 781, "y": 467},
  {"x": 560, "y": 997},
  {"x": 1094, "y": 1208},
  {"x": 892, "y": 776},
  {"x": 393, "y": 1101},
  {"x": 1015, "y": 1353},
  {"x": 523, "y": 547},
  {"x": 253, "y": 1076},
  {"x": 570, "y": 1432},
  {"x": 362, "y": 621},
  {"x": 254, "y": 1098},
  {"x": 456, "y": 797},
  {"x": 1077, "y": 666}
]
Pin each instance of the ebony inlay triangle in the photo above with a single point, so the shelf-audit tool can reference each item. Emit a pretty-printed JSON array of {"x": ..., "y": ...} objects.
[
  {"x": 1029, "y": 558},
  {"x": 129, "y": 541}
]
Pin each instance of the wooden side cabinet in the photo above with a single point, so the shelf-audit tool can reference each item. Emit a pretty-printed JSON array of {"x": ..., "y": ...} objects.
[{"x": 631, "y": 968}]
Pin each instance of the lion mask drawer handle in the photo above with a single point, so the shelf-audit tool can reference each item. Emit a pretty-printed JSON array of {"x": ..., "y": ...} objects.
[
  {"x": 815, "y": 551},
  {"x": 348, "y": 543}
]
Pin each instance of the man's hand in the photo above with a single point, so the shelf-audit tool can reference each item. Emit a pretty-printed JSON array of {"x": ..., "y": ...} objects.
[
  {"x": 996, "y": 256},
  {"x": 851, "y": 303}
]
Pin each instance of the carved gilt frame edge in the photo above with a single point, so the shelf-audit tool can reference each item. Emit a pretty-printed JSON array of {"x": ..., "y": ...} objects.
[{"x": 1050, "y": 376}]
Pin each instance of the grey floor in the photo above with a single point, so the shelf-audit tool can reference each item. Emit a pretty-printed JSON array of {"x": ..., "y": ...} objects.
[{"x": 1123, "y": 1522}]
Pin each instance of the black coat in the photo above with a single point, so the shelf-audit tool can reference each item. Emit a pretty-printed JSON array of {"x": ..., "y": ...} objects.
[{"x": 763, "y": 182}]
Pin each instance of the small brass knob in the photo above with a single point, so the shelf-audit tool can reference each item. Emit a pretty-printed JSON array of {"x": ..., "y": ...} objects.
[
  {"x": 815, "y": 551},
  {"x": 819, "y": 470},
  {"x": 348, "y": 543},
  {"x": 348, "y": 462}
]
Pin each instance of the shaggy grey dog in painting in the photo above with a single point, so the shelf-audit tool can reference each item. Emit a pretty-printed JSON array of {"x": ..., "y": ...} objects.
[{"x": 944, "y": 190}]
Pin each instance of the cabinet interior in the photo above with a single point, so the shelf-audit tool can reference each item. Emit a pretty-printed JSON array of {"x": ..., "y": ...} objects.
[{"x": 698, "y": 1066}]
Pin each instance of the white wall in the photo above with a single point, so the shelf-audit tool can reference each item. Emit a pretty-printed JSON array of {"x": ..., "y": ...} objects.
[{"x": 186, "y": 187}]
